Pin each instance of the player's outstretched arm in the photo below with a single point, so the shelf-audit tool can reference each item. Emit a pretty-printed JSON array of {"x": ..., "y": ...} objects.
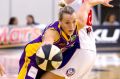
[
  {"x": 50, "y": 36},
  {"x": 92, "y": 2},
  {"x": 1, "y": 70},
  {"x": 103, "y": 2}
]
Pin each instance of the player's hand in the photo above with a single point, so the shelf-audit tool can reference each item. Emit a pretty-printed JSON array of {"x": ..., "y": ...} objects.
[
  {"x": 107, "y": 3},
  {"x": 103, "y": 2},
  {"x": 2, "y": 72}
]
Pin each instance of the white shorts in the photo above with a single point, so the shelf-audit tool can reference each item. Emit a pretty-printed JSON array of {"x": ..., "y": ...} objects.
[{"x": 78, "y": 66}]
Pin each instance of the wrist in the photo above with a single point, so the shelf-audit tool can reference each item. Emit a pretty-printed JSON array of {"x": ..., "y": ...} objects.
[
  {"x": 89, "y": 4},
  {"x": 68, "y": 1}
]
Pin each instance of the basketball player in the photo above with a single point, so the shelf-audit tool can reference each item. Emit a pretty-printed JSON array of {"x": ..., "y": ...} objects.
[{"x": 64, "y": 34}]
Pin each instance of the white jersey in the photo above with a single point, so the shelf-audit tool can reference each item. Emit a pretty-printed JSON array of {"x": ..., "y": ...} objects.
[
  {"x": 77, "y": 70},
  {"x": 87, "y": 40}
]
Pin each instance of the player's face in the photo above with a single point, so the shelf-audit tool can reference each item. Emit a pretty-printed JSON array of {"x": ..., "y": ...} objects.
[{"x": 68, "y": 23}]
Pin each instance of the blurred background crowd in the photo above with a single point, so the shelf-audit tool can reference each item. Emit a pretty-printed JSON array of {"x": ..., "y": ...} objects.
[{"x": 45, "y": 12}]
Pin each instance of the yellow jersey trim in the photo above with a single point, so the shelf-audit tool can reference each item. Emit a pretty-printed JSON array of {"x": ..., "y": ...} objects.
[
  {"x": 23, "y": 70},
  {"x": 63, "y": 34},
  {"x": 32, "y": 48}
]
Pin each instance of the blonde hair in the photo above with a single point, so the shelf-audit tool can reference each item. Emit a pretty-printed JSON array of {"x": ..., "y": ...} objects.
[
  {"x": 61, "y": 4},
  {"x": 64, "y": 9}
]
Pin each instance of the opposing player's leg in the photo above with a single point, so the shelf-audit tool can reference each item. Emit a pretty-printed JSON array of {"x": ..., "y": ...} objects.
[
  {"x": 76, "y": 64},
  {"x": 79, "y": 64},
  {"x": 91, "y": 61}
]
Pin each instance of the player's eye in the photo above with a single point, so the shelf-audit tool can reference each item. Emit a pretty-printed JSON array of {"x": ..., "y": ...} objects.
[
  {"x": 67, "y": 22},
  {"x": 74, "y": 21}
]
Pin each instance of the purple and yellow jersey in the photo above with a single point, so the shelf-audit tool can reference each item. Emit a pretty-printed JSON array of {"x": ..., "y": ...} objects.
[
  {"x": 64, "y": 41},
  {"x": 28, "y": 57}
]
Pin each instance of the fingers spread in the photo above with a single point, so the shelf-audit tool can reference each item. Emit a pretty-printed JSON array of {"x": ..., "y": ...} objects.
[{"x": 107, "y": 3}]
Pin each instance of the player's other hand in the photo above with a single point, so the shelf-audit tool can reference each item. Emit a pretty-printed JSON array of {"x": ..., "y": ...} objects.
[
  {"x": 103, "y": 2},
  {"x": 2, "y": 72}
]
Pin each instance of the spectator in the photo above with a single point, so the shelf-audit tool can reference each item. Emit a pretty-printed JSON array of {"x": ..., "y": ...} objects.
[
  {"x": 111, "y": 20},
  {"x": 30, "y": 20},
  {"x": 13, "y": 21}
]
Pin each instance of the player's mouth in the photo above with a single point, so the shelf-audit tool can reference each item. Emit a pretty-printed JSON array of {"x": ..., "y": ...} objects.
[{"x": 70, "y": 30}]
